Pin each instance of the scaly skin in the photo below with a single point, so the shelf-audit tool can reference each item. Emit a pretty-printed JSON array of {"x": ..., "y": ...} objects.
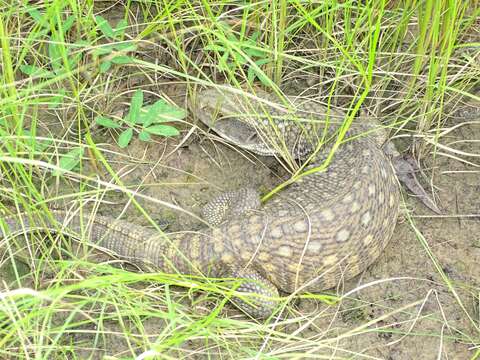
[{"x": 325, "y": 227}]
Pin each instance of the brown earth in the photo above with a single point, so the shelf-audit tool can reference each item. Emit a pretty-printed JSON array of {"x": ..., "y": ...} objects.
[{"x": 404, "y": 311}]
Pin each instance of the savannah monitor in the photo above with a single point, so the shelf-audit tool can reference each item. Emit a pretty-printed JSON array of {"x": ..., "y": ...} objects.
[{"x": 326, "y": 226}]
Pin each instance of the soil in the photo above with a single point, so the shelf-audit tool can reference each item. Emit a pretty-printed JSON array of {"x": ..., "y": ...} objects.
[
  {"x": 404, "y": 299},
  {"x": 404, "y": 307}
]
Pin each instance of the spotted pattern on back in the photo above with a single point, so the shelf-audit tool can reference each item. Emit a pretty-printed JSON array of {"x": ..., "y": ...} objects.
[{"x": 331, "y": 227}]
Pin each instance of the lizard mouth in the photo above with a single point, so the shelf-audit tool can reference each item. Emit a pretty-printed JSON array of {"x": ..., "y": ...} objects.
[
  {"x": 228, "y": 118},
  {"x": 236, "y": 131}
]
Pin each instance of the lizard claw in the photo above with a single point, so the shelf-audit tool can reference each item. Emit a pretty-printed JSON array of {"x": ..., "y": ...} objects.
[
  {"x": 163, "y": 224},
  {"x": 405, "y": 168}
]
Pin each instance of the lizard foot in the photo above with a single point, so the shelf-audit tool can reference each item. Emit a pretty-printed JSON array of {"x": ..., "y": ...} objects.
[
  {"x": 259, "y": 296},
  {"x": 229, "y": 205}
]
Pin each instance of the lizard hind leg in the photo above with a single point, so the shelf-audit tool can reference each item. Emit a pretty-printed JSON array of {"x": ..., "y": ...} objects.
[
  {"x": 259, "y": 297},
  {"x": 229, "y": 205}
]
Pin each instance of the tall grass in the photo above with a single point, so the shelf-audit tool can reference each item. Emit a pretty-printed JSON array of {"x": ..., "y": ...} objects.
[{"x": 407, "y": 62}]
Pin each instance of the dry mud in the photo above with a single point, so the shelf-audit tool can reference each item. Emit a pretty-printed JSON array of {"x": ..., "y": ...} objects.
[{"x": 402, "y": 309}]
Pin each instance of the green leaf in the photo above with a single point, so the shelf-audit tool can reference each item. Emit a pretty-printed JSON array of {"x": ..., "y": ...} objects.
[
  {"x": 39, "y": 18},
  {"x": 144, "y": 136},
  {"x": 253, "y": 52},
  {"x": 223, "y": 63},
  {"x": 252, "y": 73},
  {"x": 231, "y": 37},
  {"x": 255, "y": 36},
  {"x": 214, "y": 47},
  {"x": 163, "y": 130},
  {"x": 42, "y": 145},
  {"x": 105, "y": 66},
  {"x": 55, "y": 55},
  {"x": 67, "y": 24},
  {"x": 224, "y": 26},
  {"x": 36, "y": 144},
  {"x": 120, "y": 28},
  {"x": 160, "y": 111},
  {"x": 103, "y": 50},
  {"x": 240, "y": 58},
  {"x": 69, "y": 160},
  {"x": 106, "y": 122},
  {"x": 170, "y": 112},
  {"x": 35, "y": 71},
  {"x": 135, "y": 106},
  {"x": 122, "y": 59},
  {"x": 74, "y": 59},
  {"x": 125, "y": 137},
  {"x": 80, "y": 44},
  {"x": 105, "y": 27},
  {"x": 126, "y": 46},
  {"x": 57, "y": 99},
  {"x": 149, "y": 114}
]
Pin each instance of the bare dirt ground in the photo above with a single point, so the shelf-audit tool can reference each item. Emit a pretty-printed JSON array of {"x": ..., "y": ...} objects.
[
  {"x": 405, "y": 310},
  {"x": 402, "y": 308}
]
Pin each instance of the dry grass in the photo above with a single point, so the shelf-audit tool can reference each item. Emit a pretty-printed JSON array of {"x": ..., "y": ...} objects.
[{"x": 61, "y": 67}]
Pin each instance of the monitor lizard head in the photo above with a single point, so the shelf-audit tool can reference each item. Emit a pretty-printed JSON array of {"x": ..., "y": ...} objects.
[{"x": 262, "y": 123}]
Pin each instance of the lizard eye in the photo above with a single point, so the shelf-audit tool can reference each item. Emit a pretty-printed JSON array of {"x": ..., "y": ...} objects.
[
  {"x": 242, "y": 134},
  {"x": 253, "y": 138}
]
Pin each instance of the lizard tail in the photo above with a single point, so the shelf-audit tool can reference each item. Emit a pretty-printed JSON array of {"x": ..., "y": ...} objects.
[
  {"x": 184, "y": 252},
  {"x": 145, "y": 247}
]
